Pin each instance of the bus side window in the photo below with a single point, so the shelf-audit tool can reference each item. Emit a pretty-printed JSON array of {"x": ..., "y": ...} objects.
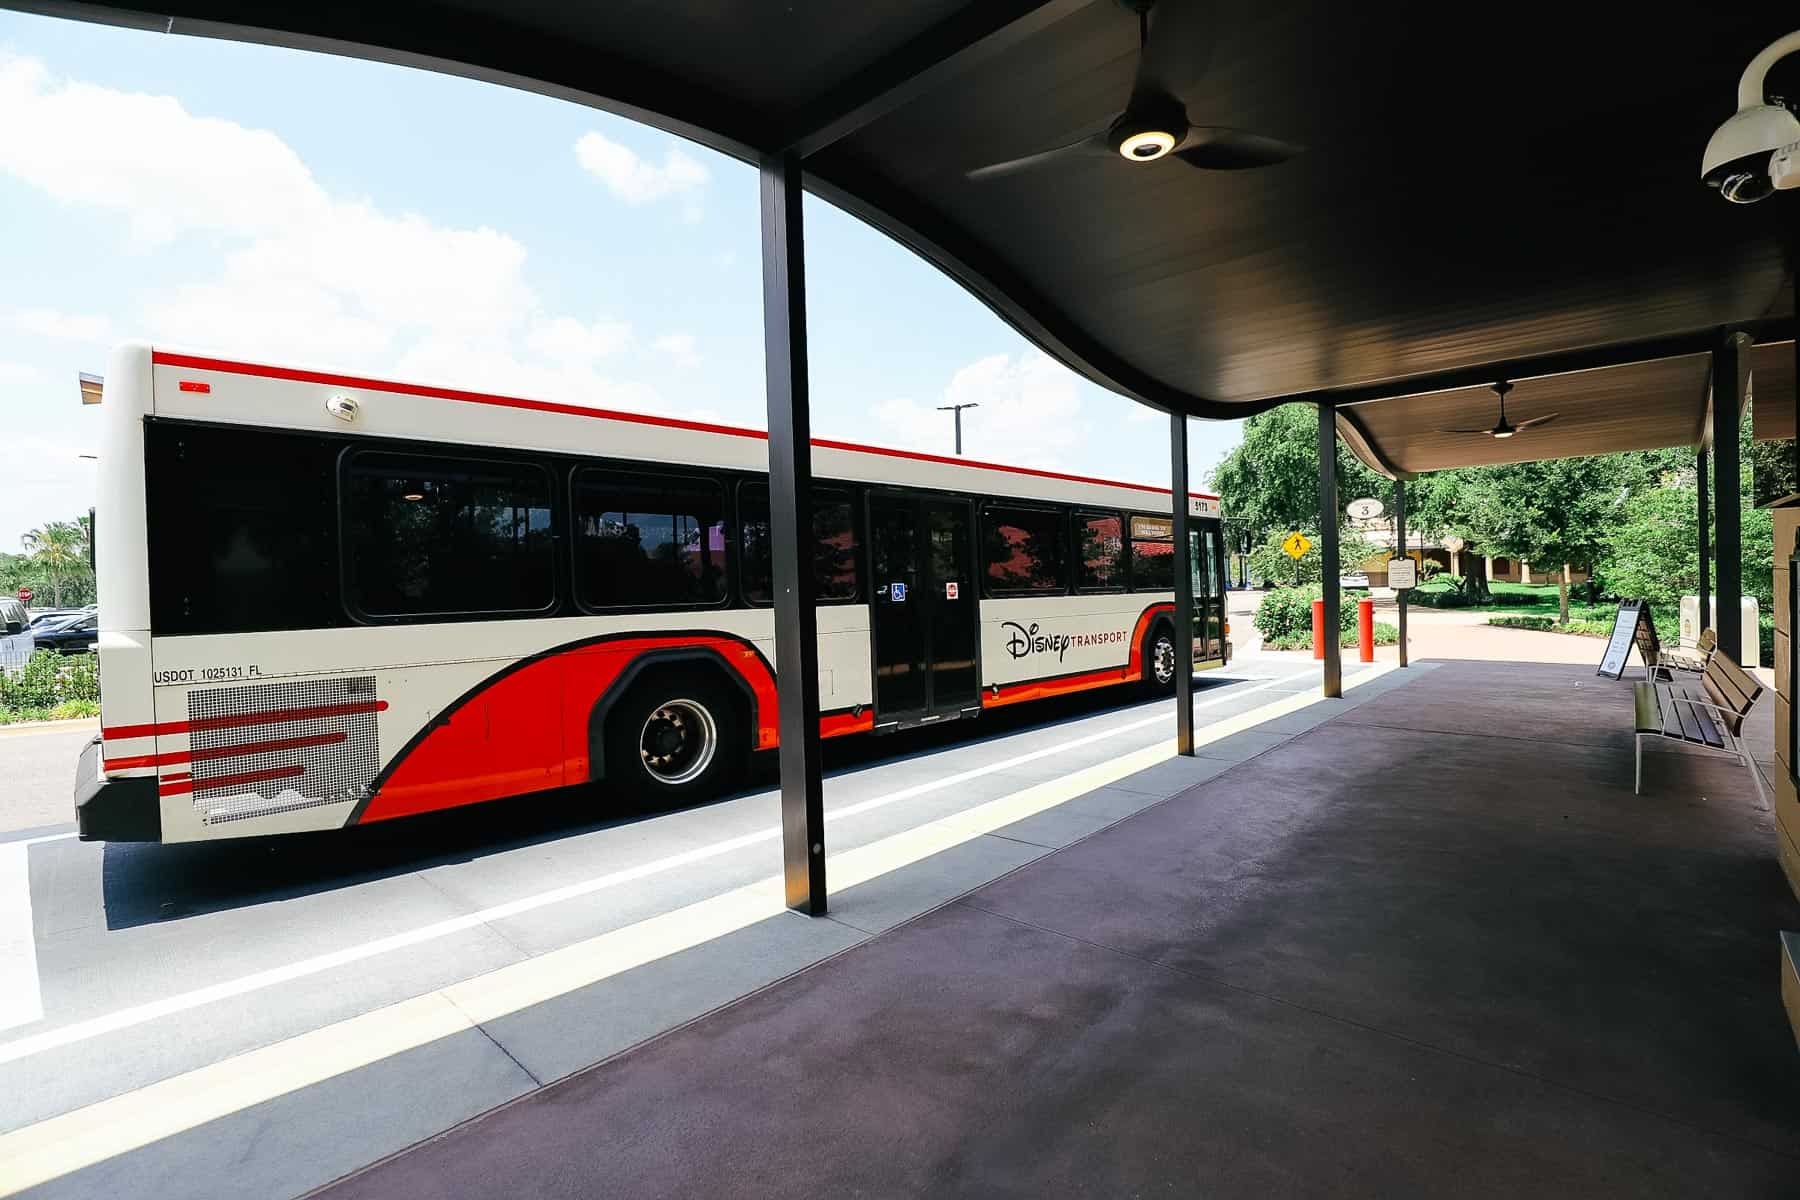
[
  {"x": 648, "y": 541},
  {"x": 1100, "y": 552},
  {"x": 1024, "y": 550},
  {"x": 1152, "y": 554},
  {"x": 834, "y": 545},
  {"x": 427, "y": 535}
]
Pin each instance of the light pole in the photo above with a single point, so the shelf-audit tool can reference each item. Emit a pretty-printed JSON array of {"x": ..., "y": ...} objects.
[{"x": 957, "y": 409}]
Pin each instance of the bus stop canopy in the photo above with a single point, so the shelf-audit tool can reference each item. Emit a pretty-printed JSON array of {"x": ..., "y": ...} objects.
[
  {"x": 1467, "y": 197},
  {"x": 1634, "y": 406}
]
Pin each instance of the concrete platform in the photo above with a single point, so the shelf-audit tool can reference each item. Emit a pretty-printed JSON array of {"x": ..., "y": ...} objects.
[{"x": 1432, "y": 946}]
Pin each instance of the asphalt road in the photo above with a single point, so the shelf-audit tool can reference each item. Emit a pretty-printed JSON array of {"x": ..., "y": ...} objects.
[{"x": 125, "y": 965}]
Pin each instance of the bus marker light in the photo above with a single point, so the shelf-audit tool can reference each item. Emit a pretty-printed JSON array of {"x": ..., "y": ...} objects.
[{"x": 194, "y": 385}]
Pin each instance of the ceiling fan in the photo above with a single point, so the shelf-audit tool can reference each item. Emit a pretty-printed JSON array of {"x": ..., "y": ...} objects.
[
  {"x": 1505, "y": 429},
  {"x": 1155, "y": 123}
]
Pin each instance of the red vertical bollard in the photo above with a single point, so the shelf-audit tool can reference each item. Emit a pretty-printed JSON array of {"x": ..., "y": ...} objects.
[
  {"x": 1365, "y": 630},
  {"x": 1318, "y": 629}
]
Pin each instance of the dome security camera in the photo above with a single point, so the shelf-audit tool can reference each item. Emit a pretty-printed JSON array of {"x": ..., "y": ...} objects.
[{"x": 1738, "y": 155}]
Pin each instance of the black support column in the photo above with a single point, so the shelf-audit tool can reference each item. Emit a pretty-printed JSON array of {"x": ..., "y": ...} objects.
[
  {"x": 1731, "y": 376},
  {"x": 1400, "y": 548},
  {"x": 1328, "y": 549},
  {"x": 1705, "y": 539},
  {"x": 790, "y": 529},
  {"x": 1184, "y": 585}
]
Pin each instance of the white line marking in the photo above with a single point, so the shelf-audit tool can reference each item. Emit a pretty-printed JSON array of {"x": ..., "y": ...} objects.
[
  {"x": 21, "y": 1003},
  {"x": 126, "y": 1018}
]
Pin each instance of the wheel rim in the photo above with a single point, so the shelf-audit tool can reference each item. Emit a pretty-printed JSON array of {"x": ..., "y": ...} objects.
[
  {"x": 678, "y": 742},
  {"x": 1163, "y": 660}
]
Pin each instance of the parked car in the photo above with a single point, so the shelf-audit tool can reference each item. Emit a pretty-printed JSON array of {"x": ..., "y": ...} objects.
[
  {"x": 74, "y": 634},
  {"x": 45, "y": 617},
  {"x": 1354, "y": 579},
  {"x": 16, "y": 639}
]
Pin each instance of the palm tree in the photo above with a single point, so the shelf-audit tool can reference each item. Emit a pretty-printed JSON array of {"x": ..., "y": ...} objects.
[{"x": 59, "y": 547}]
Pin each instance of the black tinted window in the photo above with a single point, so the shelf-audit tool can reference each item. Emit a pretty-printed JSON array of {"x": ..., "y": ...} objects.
[
  {"x": 648, "y": 540},
  {"x": 834, "y": 545},
  {"x": 1100, "y": 551},
  {"x": 426, "y": 535},
  {"x": 1024, "y": 549},
  {"x": 1152, "y": 554},
  {"x": 242, "y": 527}
]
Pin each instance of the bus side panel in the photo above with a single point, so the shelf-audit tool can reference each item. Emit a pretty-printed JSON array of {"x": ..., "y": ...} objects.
[{"x": 1034, "y": 648}]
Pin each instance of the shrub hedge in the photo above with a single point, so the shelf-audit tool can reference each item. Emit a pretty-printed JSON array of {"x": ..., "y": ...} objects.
[
  {"x": 1287, "y": 612},
  {"x": 51, "y": 686}
]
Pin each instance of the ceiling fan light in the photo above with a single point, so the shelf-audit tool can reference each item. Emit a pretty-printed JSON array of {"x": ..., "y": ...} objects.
[
  {"x": 1504, "y": 433},
  {"x": 1146, "y": 145}
]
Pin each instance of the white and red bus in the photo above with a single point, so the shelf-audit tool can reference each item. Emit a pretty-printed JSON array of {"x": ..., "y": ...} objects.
[{"x": 328, "y": 600}]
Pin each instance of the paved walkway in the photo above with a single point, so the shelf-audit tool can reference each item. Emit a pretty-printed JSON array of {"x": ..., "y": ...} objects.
[{"x": 1433, "y": 946}]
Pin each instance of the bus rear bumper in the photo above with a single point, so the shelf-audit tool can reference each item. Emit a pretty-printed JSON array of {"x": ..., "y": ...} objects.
[{"x": 114, "y": 810}]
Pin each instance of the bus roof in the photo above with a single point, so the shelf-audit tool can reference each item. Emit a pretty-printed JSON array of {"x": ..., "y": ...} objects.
[{"x": 170, "y": 358}]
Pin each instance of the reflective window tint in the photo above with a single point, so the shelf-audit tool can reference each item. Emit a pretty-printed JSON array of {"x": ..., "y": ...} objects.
[
  {"x": 834, "y": 545},
  {"x": 1023, "y": 549},
  {"x": 1101, "y": 551},
  {"x": 1152, "y": 554},
  {"x": 243, "y": 530},
  {"x": 426, "y": 535},
  {"x": 648, "y": 540}
]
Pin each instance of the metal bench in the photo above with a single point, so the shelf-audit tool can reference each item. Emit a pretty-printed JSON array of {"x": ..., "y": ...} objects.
[
  {"x": 1714, "y": 719},
  {"x": 1693, "y": 661}
]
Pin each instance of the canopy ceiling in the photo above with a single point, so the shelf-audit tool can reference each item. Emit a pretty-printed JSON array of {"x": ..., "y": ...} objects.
[
  {"x": 1636, "y": 406},
  {"x": 1476, "y": 191}
]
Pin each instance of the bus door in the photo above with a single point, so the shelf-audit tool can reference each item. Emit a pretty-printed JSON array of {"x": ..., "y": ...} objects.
[
  {"x": 1207, "y": 559},
  {"x": 924, "y": 617}
]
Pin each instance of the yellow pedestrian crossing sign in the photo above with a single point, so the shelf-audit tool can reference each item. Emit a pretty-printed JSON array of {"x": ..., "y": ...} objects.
[{"x": 1297, "y": 545}]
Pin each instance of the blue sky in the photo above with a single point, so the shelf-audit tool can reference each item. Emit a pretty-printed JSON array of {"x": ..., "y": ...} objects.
[{"x": 296, "y": 207}]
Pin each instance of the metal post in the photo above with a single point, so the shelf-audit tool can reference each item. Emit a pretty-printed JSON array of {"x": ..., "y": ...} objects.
[
  {"x": 1400, "y": 542},
  {"x": 958, "y": 410},
  {"x": 1328, "y": 549},
  {"x": 1731, "y": 373},
  {"x": 1701, "y": 483},
  {"x": 1184, "y": 585},
  {"x": 790, "y": 534}
]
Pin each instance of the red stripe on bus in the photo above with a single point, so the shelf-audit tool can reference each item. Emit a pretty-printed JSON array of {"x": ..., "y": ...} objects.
[
  {"x": 172, "y": 775},
  {"x": 838, "y": 724},
  {"x": 1043, "y": 689},
  {"x": 175, "y": 787},
  {"x": 273, "y": 716},
  {"x": 258, "y": 370}
]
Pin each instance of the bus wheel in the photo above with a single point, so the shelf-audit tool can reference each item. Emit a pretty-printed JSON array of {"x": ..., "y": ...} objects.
[
  {"x": 674, "y": 740},
  {"x": 1159, "y": 661}
]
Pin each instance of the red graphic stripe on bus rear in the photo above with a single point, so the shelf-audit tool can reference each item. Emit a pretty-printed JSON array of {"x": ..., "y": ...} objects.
[
  {"x": 175, "y": 787},
  {"x": 330, "y": 379},
  {"x": 236, "y": 750},
  {"x": 273, "y": 716}
]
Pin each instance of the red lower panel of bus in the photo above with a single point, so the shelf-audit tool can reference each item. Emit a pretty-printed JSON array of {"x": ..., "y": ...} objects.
[{"x": 527, "y": 729}]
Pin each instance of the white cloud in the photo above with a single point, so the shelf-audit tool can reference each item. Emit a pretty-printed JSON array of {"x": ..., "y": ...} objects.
[
  {"x": 48, "y": 323},
  {"x": 677, "y": 347},
  {"x": 635, "y": 180},
  {"x": 568, "y": 340},
  {"x": 1030, "y": 412}
]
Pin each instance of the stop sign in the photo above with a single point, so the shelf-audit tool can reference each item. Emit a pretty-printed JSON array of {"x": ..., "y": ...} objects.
[{"x": 24, "y": 595}]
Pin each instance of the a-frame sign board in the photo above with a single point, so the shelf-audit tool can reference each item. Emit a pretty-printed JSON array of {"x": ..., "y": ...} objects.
[{"x": 1632, "y": 626}]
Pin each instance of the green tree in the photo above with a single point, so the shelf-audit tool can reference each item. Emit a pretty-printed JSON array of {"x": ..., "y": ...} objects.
[
  {"x": 59, "y": 550},
  {"x": 1271, "y": 478},
  {"x": 1273, "y": 565}
]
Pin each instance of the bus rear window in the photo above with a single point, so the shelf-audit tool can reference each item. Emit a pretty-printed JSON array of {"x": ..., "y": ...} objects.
[
  {"x": 648, "y": 541},
  {"x": 425, "y": 535},
  {"x": 242, "y": 530}
]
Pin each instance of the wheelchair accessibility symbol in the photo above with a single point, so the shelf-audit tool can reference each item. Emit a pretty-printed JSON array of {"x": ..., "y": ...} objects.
[{"x": 898, "y": 592}]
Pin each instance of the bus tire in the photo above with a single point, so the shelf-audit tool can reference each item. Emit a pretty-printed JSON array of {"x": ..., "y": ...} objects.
[
  {"x": 676, "y": 738},
  {"x": 1159, "y": 659}
]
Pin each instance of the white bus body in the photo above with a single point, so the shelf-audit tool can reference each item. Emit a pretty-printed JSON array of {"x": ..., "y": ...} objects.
[{"x": 275, "y": 547}]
